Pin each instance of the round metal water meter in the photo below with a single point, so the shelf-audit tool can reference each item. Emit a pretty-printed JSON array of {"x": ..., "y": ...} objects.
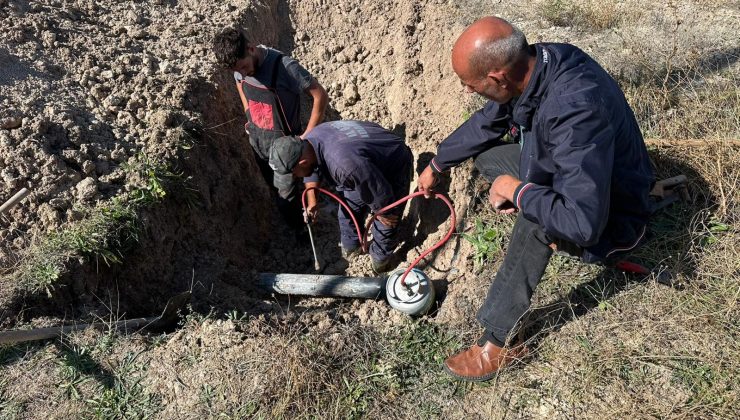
[{"x": 416, "y": 297}]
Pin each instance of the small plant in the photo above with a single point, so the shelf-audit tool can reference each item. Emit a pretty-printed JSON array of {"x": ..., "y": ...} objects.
[
  {"x": 75, "y": 367},
  {"x": 126, "y": 397},
  {"x": 715, "y": 228},
  {"x": 486, "y": 240},
  {"x": 234, "y": 315},
  {"x": 153, "y": 175}
]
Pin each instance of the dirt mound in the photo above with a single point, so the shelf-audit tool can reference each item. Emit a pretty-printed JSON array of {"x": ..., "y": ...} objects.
[
  {"x": 93, "y": 93},
  {"x": 99, "y": 101}
]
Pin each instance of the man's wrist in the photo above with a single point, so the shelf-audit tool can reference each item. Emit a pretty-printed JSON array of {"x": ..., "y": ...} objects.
[{"x": 436, "y": 167}]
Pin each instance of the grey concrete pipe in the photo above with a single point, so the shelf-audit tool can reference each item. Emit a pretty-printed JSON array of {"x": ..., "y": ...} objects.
[{"x": 322, "y": 285}]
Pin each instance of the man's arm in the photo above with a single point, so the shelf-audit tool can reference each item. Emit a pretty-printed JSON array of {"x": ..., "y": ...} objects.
[
  {"x": 303, "y": 81},
  {"x": 312, "y": 203},
  {"x": 320, "y": 101},
  {"x": 241, "y": 95},
  {"x": 576, "y": 206},
  {"x": 479, "y": 133}
]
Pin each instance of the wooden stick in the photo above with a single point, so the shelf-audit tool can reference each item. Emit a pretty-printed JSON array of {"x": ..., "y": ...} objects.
[{"x": 20, "y": 336}]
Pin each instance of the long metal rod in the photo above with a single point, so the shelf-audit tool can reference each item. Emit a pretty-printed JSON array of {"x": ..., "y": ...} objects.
[
  {"x": 15, "y": 199},
  {"x": 316, "y": 263},
  {"x": 169, "y": 315}
]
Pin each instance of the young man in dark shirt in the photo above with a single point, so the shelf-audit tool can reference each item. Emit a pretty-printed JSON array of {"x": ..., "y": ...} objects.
[
  {"x": 270, "y": 85},
  {"x": 369, "y": 166}
]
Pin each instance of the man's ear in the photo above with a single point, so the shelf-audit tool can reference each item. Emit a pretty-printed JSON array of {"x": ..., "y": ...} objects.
[{"x": 498, "y": 77}]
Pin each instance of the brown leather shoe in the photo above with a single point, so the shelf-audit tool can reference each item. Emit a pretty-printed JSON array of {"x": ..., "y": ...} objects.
[{"x": 481, "y": 363}]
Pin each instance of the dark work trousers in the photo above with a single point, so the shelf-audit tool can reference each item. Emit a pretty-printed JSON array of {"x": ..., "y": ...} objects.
[
  {"x": 385, "y": 238},
  {"x": 288, "y": 190},
  {"x": 527, "y": 256}
]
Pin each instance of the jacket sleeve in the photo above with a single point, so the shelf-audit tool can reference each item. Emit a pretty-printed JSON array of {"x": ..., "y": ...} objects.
[
  {"x": 576, "y": 207},
  {"x": 479, "y": 133},
  {"x": 368, "y": 181}
]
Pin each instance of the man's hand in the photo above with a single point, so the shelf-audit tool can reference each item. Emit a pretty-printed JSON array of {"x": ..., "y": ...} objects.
[
  {"x": 312, "y": 212},
  {"x": 390, "y": 220},
  {"x": 427, "y": 180},
  {"x": 501, "y": 195}
]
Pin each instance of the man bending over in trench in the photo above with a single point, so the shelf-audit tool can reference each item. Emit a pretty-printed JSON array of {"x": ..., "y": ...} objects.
[
  {"x": 270, "y": 86},
  {"x": 370, "y": 167},
  {"x": 579, "y": 176}
]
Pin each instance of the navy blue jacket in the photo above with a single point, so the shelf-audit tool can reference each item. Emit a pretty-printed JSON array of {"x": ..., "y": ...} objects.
[
  {"x": 360, "y": 156},
  {"x": 585, "y": 171}
]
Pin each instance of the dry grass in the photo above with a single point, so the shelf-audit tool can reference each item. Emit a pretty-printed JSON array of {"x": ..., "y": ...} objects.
[
  {"x": 586, "y": 15},
  {"x": 604, "y": 345}
]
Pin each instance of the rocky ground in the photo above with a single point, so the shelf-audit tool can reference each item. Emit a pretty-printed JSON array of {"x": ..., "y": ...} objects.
[{"x": 103, "y": 103}]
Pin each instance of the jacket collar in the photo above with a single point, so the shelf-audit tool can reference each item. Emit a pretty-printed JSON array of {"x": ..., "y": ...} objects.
[{"x": 527, "y": 103}]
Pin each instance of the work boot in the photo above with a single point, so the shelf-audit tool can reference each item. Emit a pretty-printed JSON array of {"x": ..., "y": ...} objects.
[
  {"x": 350, "y": 253},
  {"x": 380, "y": 267},
  {"x": 481, "y": 362}
]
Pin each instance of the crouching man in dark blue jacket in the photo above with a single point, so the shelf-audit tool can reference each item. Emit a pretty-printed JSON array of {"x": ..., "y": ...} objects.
[
  {"x": 370, "y": 166},
  {"x": 577, "y": 171}
]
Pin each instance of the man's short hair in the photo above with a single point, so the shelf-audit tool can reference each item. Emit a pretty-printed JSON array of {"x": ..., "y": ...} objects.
[
  {"x": 230, "y": 46},
  {"x": 497, "y": 54}
]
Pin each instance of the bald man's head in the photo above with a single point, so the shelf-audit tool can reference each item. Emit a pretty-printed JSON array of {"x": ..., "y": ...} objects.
[{"x": 488, "y": 44}]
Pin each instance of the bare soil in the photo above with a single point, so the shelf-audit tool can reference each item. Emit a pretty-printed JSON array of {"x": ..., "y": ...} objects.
[{"x": 89, "y": 89}]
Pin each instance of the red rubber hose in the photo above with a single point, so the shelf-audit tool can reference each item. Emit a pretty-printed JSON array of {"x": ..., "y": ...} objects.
[{"x": 363, "y": 237}]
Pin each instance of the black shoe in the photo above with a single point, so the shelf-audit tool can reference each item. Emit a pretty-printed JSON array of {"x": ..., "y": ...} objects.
[{"x": 380, "y": 267}]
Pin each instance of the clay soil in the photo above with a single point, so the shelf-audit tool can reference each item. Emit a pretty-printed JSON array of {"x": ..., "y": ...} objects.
[{"x": 91, "y": 89}]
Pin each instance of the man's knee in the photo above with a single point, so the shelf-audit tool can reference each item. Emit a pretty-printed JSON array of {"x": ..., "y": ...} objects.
[{"x": 498, "y": 160}]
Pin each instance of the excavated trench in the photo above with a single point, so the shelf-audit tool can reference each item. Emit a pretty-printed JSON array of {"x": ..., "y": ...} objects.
[{"x": 379, "y": 62}]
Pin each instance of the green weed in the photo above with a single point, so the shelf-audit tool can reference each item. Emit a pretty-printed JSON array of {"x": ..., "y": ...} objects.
[
  {"x": 706, "y": 384},
  {"x": 75, "y": 367},
  {"x": 109, "y": 230},
  {"x": 486, "y": 240},
  {"x": 127, "y": 397},
  {"x": 9, "y": 408}
]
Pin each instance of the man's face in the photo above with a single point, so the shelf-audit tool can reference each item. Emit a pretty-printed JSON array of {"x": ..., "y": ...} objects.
[
  {"x": 247, "y": 66},
  {"x": 488, "y": 87},
  {"x": 302, "y": 169}
]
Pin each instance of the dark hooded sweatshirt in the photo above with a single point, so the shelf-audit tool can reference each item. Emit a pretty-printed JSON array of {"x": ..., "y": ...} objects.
[{"x": 585, "y": 171}]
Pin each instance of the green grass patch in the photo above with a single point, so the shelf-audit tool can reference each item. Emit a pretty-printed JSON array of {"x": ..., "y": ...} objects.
[{"x": 106, "y": 231}]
